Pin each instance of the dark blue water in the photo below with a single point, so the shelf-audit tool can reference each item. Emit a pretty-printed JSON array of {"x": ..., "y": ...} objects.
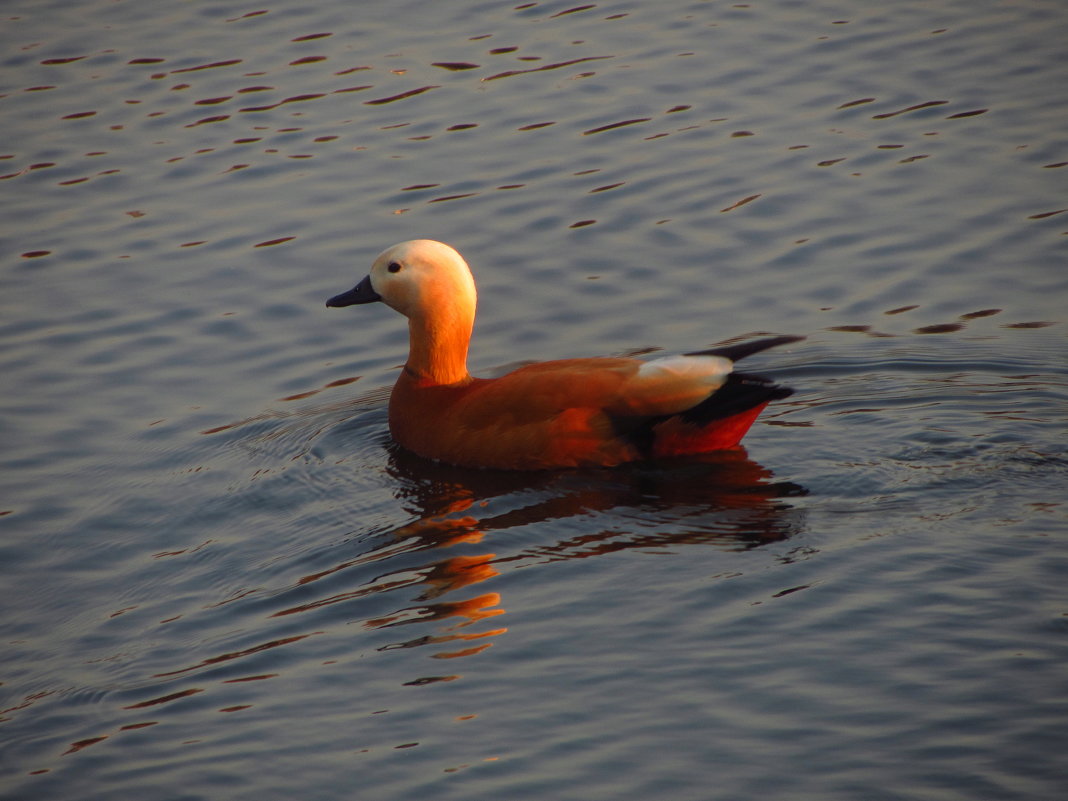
[{"x": 220, "y": 580}]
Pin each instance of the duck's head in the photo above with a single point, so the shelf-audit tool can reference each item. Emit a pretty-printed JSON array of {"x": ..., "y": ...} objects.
[
  {"x": 430, "y": 284},
  {"x": 418, "y": 278}
]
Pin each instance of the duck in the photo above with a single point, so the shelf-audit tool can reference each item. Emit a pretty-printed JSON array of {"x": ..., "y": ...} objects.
[{"x": 567, "y": 413}]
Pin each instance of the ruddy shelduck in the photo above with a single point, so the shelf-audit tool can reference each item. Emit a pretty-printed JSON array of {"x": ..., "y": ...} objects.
[{"x": 566, "y": 413}]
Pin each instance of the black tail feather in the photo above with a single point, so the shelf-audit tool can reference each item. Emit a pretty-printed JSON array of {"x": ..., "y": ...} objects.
[
  {"x": 743, "y": 349},
  {"x": 741, "y": 392}
]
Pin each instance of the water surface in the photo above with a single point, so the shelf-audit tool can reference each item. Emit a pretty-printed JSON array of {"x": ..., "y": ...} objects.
[{"x": 221, "y": 579}]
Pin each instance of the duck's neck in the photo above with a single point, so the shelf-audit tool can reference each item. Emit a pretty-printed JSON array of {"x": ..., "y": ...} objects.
[{"x": 438, "y": 349}]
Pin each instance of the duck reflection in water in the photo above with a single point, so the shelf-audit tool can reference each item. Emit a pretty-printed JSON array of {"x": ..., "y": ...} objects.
[{"x": 723, "y": 499}]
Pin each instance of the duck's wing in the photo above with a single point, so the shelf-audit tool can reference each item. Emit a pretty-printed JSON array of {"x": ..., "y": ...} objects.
[
  {"x": 701, "y": 385},
  {"x": 715, "y": 420},
  {"x": 669, "y": 385}
]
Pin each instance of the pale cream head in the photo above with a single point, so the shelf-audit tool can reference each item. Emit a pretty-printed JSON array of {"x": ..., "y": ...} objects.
[
  {"x": 430, "y": 284},
  {"x": 424, "y": 277}
]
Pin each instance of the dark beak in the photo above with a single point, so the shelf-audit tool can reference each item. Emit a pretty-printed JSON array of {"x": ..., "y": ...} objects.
[{"x": 361, "y": 293}]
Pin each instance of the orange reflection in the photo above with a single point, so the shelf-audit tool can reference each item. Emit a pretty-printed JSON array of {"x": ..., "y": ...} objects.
[
  {"x": 458, "y": 572},
  {"x": 470, "y": 611}
]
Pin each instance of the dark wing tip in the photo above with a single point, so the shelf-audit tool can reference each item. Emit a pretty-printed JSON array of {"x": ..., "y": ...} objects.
[
  {"x": 742, "y": 349},
  {"x": 741, "y": 392}
]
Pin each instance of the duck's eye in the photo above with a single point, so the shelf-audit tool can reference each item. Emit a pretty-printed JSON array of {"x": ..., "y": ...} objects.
[{"x": 394, "y": 267}]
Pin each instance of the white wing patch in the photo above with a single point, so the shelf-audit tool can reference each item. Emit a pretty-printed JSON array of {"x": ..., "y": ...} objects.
[{"x": 672, "y": 384}]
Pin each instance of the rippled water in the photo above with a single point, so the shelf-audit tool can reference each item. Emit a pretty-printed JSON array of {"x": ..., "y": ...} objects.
[{"x": 219, "y": 578}]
